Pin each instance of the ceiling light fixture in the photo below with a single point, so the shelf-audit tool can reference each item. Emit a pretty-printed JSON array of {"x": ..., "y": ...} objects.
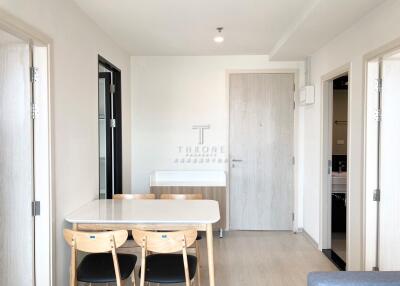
[{"x": 219, "y": 38}]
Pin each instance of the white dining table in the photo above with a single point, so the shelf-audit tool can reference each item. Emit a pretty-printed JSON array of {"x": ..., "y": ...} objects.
[{"x": 150, "y": 215}]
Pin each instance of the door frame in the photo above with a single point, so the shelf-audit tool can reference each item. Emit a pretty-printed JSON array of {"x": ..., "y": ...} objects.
[
  {"x": 295, "y": 72},
  {"x": 325, "y": 211},
  {"x": 15, "y": 26},
  {"x": 108, "y": 140},
  {"x": 116, "y": 75}
]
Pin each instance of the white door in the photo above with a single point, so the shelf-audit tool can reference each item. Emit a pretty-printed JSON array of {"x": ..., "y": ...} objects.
[
  {"x": 261, "y": 151},
  {"x": 389, "y": 226},
  {"x": 371, "y": 164},
  {"x": 16, "y": 163}
]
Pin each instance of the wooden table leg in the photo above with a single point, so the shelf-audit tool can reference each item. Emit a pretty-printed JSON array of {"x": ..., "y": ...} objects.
[
  {"x": 73, "y": 265},
  {"x": 210, "y": 254}
]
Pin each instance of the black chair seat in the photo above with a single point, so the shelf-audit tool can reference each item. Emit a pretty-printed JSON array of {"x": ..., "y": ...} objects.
[
  {"x": 168, "y": 268},
  {"x": 99, "y": 267}
]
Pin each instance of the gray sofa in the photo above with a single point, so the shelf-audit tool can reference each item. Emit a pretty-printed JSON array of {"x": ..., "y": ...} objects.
[{"x": 388, "y": 278}]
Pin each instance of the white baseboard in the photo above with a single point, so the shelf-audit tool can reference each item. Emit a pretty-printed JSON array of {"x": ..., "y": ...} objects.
[{"x": 309, "y": 238}]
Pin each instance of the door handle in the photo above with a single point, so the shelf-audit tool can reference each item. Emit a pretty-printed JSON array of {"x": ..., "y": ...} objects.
[{"x": 237, "y": 160}]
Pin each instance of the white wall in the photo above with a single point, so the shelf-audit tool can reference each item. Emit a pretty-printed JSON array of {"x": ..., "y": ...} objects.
[
  {"x": 76, "y": 43},
  {"x": 374, "y": 30},
  {"x": 170, "y": 94}
]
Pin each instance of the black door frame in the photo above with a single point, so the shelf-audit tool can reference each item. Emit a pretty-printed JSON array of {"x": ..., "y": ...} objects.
[
  {"x": 117, "y": 130},
  {"x": 107, "y": 104}
]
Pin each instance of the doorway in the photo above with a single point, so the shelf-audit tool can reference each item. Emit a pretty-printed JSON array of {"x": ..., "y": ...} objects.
[
  {"x": 261, "y": 151},
  {"x": 110, "y": 126},
  {"x": 335, "y": 196},
  {"x": 25, "y": 160}
]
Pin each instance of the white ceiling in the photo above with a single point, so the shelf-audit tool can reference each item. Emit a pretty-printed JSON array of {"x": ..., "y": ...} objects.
[
  {"x": 187, "y": 27},
  {"x": 323, "y": 22}
]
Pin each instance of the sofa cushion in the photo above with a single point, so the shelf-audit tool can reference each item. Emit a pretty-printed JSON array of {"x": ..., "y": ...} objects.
[{"x": 386, "y": 278}]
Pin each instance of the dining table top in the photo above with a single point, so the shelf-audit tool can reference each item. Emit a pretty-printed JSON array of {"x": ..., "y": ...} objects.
[{"x": 107, "y": 211}]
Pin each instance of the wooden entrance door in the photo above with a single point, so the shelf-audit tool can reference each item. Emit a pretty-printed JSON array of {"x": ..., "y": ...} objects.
[{"x": 261, "y": 151}]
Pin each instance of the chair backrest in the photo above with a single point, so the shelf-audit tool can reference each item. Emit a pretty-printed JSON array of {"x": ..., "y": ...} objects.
[
  {"x": 134, "y": 197},
  {"x": 164, "y": 242},
  {"x": 94, "y": 242},
  {"x": 198, "y": 196}
]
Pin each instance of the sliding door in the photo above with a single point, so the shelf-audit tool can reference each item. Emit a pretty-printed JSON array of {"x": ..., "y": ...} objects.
[{"x": 16, "y": 163}]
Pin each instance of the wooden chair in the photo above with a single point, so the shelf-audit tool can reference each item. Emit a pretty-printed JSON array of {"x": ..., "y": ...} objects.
[
  {"x": 103, "y": 264},
  {"x": 134, "y": 197},
  {"x": 164, "y": 265},
  {"x": 130, "y": 244},
  {"x": 181, "y": 196},
  {"x": 198, "y": 196}
]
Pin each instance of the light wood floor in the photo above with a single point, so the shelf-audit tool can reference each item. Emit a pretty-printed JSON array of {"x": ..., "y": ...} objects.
[{"x": 266, "y": 258}]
